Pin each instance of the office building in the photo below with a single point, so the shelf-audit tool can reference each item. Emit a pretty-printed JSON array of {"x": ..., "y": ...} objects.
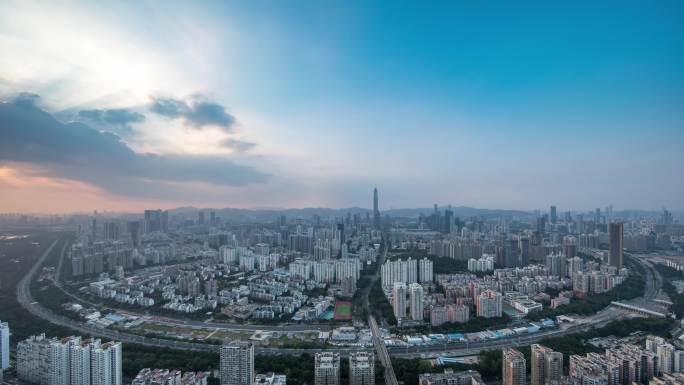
[
  {"x": 361, "y": 368},
  {"x": 327, "y": 368},
  {"x": 511, "y": 253},
  {"x": 546, "y": 365},
  {"x": 553, "y": 215},
  {"x": 376, "y": 210},
  {"x": 416, "y": 301},
  {"x": 514, "y": 367},
  {"x": 616, "y": 243},
  {"x": 237, "y": 363}
]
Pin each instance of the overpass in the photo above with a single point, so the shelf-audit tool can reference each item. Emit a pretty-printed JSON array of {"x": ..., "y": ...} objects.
[{"x": 383, "y": 354}]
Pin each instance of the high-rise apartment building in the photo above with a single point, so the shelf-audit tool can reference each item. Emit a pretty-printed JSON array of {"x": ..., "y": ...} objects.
[
  {"x": 514, "y": 367},
  {"x": 399, "y": 299},
  {"x": 666, "y": 354},
  {"x": 69, "y": 361},
  {"x": 546, "y": 365},
  {"x": 416, "y": 301},
  {"x": 405, "y": 271},
  {"x": 327, "y": 368},
  {"x": 616, "y": 235},
  {"x": 489, "y": 304},
  {"x": 361, "y": 368},
  {"x": 4, "y": 345},
  {"x": 425, "y": 270},
  {"x": 237, "y": 363}
]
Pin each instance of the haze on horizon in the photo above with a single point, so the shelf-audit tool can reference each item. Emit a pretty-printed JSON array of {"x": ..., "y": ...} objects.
[{"x": 311, "y": 104}]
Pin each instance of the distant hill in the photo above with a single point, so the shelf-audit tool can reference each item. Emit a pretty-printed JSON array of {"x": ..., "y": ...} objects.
[{"x": 459, "y": 211}]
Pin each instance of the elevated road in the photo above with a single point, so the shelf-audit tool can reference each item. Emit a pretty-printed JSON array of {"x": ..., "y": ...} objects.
[{"x": 381, "y": 351}]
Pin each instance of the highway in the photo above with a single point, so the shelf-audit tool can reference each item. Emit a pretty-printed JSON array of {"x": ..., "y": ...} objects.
[{"x": 27, "y": 301}]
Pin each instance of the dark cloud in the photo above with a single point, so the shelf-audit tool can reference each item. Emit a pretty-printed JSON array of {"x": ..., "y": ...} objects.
[
  {"x": 238, "y": 145},
  {"x": 120, "y": 117},
  {"x": 197, "y": 112},
  {"x": 78, "y": 152},
  {"x": 26, "y": 99}
]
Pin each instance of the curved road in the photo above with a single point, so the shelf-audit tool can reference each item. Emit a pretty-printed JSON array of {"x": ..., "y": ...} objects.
[{"x": 27, "y": 301}]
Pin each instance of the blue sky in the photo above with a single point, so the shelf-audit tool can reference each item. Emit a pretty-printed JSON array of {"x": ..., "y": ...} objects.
[{"x": 497, "y": 104}]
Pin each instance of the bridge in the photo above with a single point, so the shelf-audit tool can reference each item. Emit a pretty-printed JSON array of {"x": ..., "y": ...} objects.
[{"x": 383, "y": 354}]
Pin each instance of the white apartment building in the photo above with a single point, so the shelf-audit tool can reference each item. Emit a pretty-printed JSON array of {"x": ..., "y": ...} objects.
[
  {"x": 416, "y": 301},
  {"x": 237, "y": 363},
  {"x": 425, "y": 270},
  {"x": 361, "y": 368},
  {"x": 327, "y": 368},
  {"x": 405, "y": 271},
  {"x": 69, "y": 361}
]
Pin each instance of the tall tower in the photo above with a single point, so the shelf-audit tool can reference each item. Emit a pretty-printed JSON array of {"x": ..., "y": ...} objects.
[
  {"x": 376, "y": 211},
  {"x": 616, "y": 257},
  {"x": 514, "y": 367}
]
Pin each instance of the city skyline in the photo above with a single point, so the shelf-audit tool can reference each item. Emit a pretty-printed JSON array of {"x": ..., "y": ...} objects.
[{"x": 129, "y": 106}]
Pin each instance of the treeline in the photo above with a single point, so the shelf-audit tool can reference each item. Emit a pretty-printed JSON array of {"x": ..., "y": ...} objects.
[
  {"x": 632, "y": 287},
  {"x": 379, "y": 305},
  {"x": 136, "y": 357},
  {"x": 677, "y": 298}
]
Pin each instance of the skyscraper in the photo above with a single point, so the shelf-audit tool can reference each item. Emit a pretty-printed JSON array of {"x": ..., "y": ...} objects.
[
  {"x": 511, "y": 253},
  {"x": 554, "y": 215},
  {"x": 361, "y": 368},
  {"x": 327, "y": 368},
  {"x": 616, "y": 233},
  {"x": 376, "y": 210},
  {"x": 546, "y": 365},
  {"x": 4, "y": 345},
  {"x": 237, "y": 363},
  {"x": 513, "y": 368},
  {"x": 399, "y": 299}
]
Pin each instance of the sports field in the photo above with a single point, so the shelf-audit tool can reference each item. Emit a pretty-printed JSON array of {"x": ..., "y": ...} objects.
[{"x": 343, "y": 311}]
